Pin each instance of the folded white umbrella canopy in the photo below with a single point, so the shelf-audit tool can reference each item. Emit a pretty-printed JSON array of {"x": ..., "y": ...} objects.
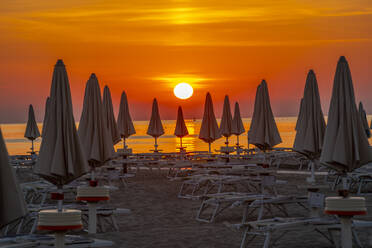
[
  {"x": 32, "y": 131},
  {"x": 93, "y": 132},
  {"x": 125, "y": 124},
  {"x": 108, "y": 112},
  {"x": 345, "y": 146},
  {"x": 209, "y": 131},
  {"x": 45, "y": 116},
  {"x": 226, "y": 120},
  {"x": 363, "y": 117},
  {"x": 237, "y": 126},
  {"x": 263, "y": 131},
  {"x": 310, "y": 126},
  {"x": 155, "y": 128},
  {"x": 61, "y": 156},
  {"x": 181, "y": 129},
  {"x": 12, "y": 203}
]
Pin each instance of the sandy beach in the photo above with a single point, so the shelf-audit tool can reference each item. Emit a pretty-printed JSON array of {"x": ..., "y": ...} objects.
[{"x": 160, "y": 219}]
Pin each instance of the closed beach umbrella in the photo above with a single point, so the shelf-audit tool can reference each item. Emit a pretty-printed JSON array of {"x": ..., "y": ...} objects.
[
  {"x": 93, "y": 132},
  {"x": 237, "y": 126},
  {"x": 363, "y": 117},
  {"x": 226, "y": 120},
  {"x": 155, "y": 128},
  {"x": 45, "y": 116},
  {"x": 108, "y": 113},
  {"x": 209, "y": 131},
  {"x": 61, "y": 156},
  {"x": 32, "y": 131},
  {"x": 346, "y": 146},
  {"x": 310, "y": 126},
  {"x": 125, "y": 124},
  {"x": 263, "y": 131},
  {"x": 181, "y": 129},
  {"x": 12, "y": 204}
]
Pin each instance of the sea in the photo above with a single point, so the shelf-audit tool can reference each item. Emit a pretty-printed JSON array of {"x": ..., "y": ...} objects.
[{"x": 141, "y": 142}]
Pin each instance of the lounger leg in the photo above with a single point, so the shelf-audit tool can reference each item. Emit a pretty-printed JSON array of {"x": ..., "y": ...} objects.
[
  {"x": 332, "y": 233},
  {"x": 114, "y": 223},
  {"x": 43, "y": 199},
  {"x": 360, "y": 186},
  {"x": 260, "y": 212},
  {"x": 215, "y": 212},
  {"x": 20, "y": 225},
  {"x": 267, "y": 240},
  {"x": 33, "y": 228},
  {"x": 180, "y": 193},
  {"x": 242, "y": 244},
  {"x": 356, "y": 239}
]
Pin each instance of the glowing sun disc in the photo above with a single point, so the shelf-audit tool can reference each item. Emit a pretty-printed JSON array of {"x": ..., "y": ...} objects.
[{"x": 183, "y": 91}]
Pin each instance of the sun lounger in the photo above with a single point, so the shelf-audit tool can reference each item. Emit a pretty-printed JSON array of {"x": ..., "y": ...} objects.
[
  {"x": 197, "y": 186},
  {"x": 276, "y": 228},
  {"x": 44, "y": 241},
  {"x": 254, "y": 205}
]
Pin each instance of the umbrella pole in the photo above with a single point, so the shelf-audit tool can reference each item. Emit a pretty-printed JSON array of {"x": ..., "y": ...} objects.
[
  {"x": 92, "y": 174},
  {"x": 92, "y": 225},
  {"x": 32, "y": 146},
  {"x": 60, "y": 201},
  {"x": 124, "y": 143},
  {"x": 156, "y": 144},
  {"x": 60, "y": 239},
  {"x": 311, "y": 179},
  {"x": 346, "y": 239},
  {"x": 209, "y": 145},
  {"x": 237, "y": 145},
  {"x": 181, "y": 142}
]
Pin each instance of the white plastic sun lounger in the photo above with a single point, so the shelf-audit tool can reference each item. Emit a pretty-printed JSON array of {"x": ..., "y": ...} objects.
[
  {"x": 255, "y": 206},
  {"x": 274, "y": 229},
  {"x": 44, "y": 241}
]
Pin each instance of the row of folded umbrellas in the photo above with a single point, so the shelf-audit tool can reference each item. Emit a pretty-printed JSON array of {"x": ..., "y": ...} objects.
[{"x": 67, "y": 153}]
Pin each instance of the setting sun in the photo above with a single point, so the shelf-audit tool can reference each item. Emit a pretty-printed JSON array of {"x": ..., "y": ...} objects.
[{"x": 183, "y": 91}]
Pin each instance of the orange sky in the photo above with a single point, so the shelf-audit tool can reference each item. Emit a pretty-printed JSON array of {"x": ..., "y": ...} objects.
[{"x": 147, "y": 46}]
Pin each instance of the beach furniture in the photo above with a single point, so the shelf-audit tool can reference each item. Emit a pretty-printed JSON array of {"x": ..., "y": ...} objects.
[
  {"x": 263, "y": 132},
  {"x": 260, "y": 193},
  {"x": 124, "y": 123},
  {"x": 97, "y": 144},
  {"x": 254, "y": 205},
  {"x": 108, "y": 113},
  {"x": 345, "y": 148},
  {"x": 181, "y": 131},
  {"x": 276, "y": 228},
  {"x": 45, "y": 241},
  {"x": 310, "y": 125},
  {"x": 155, "y": 128},
  {"x": 61, "y": 158},
  {"x": 237, "y": 127},
  {"x": 226, "y": 127},
  {"x": 199, "y": 185},
  {"x": 209, "y": 131},
  {"x": 32, "y": 130}
]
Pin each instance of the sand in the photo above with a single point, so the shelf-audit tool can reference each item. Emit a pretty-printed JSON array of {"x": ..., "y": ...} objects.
[{"x": 160, "y": 219}]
